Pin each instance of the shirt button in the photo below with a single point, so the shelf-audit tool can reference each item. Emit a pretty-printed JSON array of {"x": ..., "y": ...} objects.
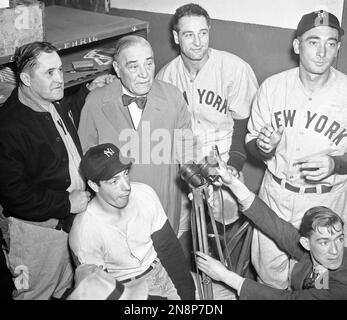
[
  {"x": 64, "y": 159},
  {"x": 310, "y": 99},
  {"x": 67, "y": 180},
  {"x": 199, "y": 121},
  {"x": 297, "y": 149},
  {"x": 58, "y": 139},
  {"x": 47, "y": 117}
]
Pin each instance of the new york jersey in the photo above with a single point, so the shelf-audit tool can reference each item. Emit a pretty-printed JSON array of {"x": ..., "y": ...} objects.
[
  {"x": 222, "y": 90},
  {"x": 314, "y": 123}
]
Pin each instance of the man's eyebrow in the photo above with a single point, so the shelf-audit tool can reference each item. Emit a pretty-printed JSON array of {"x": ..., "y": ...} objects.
[
  {"x": 312, "y": 38},
  {"x": 318, "y": 38},
  {"x": 130, "y": 62},
  {"x": 328, "y": 238}
]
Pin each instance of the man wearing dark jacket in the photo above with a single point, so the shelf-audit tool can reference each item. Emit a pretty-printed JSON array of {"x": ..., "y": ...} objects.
[
  {"x": 40, "y": 187},
  {"x": 321, "y": 268},
  {"x": 125, "y": 231}
]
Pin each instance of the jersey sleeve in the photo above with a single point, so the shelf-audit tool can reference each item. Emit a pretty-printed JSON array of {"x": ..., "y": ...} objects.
[
  {"x": 87, "y": 245},
  {"x": 260, "y": 114},
  {"x": 158, "y": 214},
  {"x": 241, "y": 91}
]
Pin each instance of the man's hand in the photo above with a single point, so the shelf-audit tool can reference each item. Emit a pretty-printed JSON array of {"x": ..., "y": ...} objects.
[
  {"x": 269, "y": 138},
  {"x": 212, "y": 267},
  {"x": 317, "y": 168},
  {"x": 100, "y": 81},
  {"x": 228, "y": 174},
  {"x": 79, "y": 200}
]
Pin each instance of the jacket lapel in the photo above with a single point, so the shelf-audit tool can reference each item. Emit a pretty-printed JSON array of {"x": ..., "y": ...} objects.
[
  {"x": 69, "y": 126},
  {"x": 155, "y": 107},
  {"x": 300, "y": 271},
  {"x": 113, "y": 108}
]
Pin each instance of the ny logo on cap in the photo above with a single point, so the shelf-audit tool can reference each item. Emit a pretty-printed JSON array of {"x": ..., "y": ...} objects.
[
  {"x": 322, "y": 18},
  {"x": 109, "y": 152}
]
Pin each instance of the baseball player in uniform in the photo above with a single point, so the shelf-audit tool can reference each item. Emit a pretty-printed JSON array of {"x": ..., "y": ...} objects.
[
  {"x": 298, "y": 126},
  {"x": 219, "y": 88}
]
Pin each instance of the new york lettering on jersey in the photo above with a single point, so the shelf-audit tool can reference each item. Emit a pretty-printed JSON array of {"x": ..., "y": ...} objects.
[{"x": 331, "y": 128}]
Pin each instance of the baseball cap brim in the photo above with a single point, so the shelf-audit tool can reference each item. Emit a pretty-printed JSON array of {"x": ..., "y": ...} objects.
[{"x": 112, "y": 169}]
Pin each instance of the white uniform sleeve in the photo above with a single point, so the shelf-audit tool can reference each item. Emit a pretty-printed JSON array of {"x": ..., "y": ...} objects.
[
  {"x": 241, "y": 91},
  {"x": 260, "y": 114},
  {"x": 158, "y": 217},
  {"x": 87, "y": 246}
]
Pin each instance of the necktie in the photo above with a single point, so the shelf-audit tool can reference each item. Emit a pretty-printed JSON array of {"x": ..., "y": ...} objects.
[
  {"x": 140, "y": 101},
  {"x": 309, "y": 281}
]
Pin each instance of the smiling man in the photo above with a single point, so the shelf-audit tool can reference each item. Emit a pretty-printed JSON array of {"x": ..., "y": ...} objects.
[
  {"x": 140, "y": 115},
  {"x": 298, "y": 128},
  {"x": 125, "y": 231},
  {"x": 219, "y": 88},
  {"x": 320, "y": 272}
]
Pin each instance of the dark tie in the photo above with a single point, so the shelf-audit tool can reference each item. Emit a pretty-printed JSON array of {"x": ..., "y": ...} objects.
[
  {"x": 310, "y": 280},
  {"x": 140, "y": 101}
]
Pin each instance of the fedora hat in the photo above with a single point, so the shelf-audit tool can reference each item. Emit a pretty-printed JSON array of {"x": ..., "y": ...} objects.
[{"x": 93, "y": 283}]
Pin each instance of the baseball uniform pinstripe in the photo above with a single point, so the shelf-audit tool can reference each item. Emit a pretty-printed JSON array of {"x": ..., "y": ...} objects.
[
  {"x": 222, "y": 91},
  {"x": 315, "y": 123}
]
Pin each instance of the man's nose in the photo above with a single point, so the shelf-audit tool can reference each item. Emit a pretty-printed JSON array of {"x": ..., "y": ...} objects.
[
  {"x": 197, "y": 40},
  {"x": 333, "y": 248},
  {"x": 143, "y": 72},
  {"x": 125, "y": 183},
  {"x": 58, "y": 77},
  {"x": 321, "y": 51}
]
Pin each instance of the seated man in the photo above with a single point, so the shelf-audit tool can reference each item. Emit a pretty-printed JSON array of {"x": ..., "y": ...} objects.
[
  {"x": 125, "y": 229},
  {"x": 318, "y": 246}
]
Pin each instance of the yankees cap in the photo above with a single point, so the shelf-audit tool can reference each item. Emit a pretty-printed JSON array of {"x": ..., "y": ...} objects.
[
  {"x": 102, "y": 162},
  {"x": 316, "y": 19}
]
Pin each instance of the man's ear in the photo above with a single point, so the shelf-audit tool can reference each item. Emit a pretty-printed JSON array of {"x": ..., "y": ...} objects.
[
  {"x": 25, "y": 78},
  {"x": 93, "y": 186},
  {"x": 116, "y": 68},
  {"x": 305, "y": 243},
  {"x": 175, "y": 35},
  {"x": 338, "y": 48},
  {"x": 296, "y": 44}
]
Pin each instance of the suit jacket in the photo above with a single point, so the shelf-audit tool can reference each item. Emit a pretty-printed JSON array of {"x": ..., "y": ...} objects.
[
  {"x": 286, "y": 236},
  {"x": 105, "y": 119}
]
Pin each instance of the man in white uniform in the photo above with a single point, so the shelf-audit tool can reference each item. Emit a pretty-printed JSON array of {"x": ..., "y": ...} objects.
[
  {"x": 125, "y": 231},
  {"x": 298, "y": 127},
  {"x": 219, "y": 88}
]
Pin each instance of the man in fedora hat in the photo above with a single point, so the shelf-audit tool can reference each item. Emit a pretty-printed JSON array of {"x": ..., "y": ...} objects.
[
  {"x": 297, "y": 127},
  {"x": 125, "y": 231}
]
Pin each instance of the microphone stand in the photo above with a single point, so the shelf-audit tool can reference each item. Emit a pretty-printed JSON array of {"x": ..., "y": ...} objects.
[{"x": 199, "y": 235}]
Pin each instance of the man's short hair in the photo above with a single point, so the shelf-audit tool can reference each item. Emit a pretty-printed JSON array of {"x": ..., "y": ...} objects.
[
  {"x": 318, "y": 217},
  {"x": 128, "y": 41},
  {"x": 25, "y": 57},
  {"x": 190, "y": 9}
]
